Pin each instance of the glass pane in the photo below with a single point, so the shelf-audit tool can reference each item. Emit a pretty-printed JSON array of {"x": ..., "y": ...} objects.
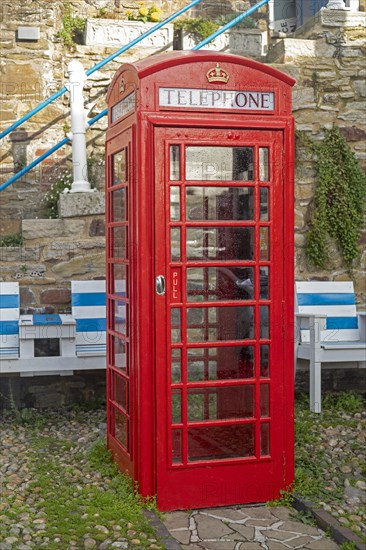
[
  {"x": 176, "y": 406},
  {"x": 220, "y": 403},
  {"x": 263, "y": 164},
  {"x": 175, "y": 325},
  {"x": 220, "y": 442},
  {"x": 120, "y": 167},
  {"x": 176, "y": 366},
  {"x": 174, "y": 162},
  {"x": 177, "y": 446},
  {"x": 219, "y": 283},
  {"x": 119, "y": 242},
  {"x": 121, "y": 428},
  {"x": 264, "y": 282},
  {"x": 264, "y": 204},
  {"x": 265, "y": 448},
  {"x": 221, "y": 323},
  {"x": 264, "y": 243},
  {"x": 220, "y": 243},
  {"x": 220, "y": 203},
  {"x": 264, "y": 322},
  {"x": 119, "y": 279},
  {"x": 120, "y": 354},
  {"x": 120, "y": 310},
  {"x": 119, "y": 204},
  {"x": 175, "y": 244},
  {"x": 264, "y": 399},
  {"x": 223, "y": 363},
  {"x": 175, "y": 203},
  {"x": 219, "y": 163},
  {"x": 264, "y": 360},
  {"x": 120, "y": 391}
]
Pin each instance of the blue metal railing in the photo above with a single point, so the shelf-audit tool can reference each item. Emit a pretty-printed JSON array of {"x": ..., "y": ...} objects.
[
  {"x": 228, "y": 25},
  {"x": 99, "y": 66}
]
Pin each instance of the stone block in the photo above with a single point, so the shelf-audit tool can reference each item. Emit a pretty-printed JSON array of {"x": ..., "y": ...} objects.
[
  {"x": 117, "y": 32},
  {"x": 251, "y": 42},
  {"x": 353, "y": 133},
  {"x": 81, "y": 204},
  {"x": 94, "y": 264},
  {"x": 27, "y": 297},
  {"x": 97, "y": 228},
  {"x": 342, "y": 18},
  {"x": 49, "y": 229},
  {"x": 55, "y": 296}
]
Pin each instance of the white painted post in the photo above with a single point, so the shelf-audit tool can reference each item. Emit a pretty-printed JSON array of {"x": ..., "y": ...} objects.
[
  {"x": 336, "y": 5},
  {"x": 77, "y": 77}
]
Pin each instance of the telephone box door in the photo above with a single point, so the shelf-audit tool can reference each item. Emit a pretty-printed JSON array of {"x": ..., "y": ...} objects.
[{"x": 220, "y": 408}]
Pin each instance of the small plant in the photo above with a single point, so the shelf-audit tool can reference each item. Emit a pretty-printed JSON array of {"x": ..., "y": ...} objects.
[
  {"x": 246, "y": 23},
  {"x": 15, "y": 239},
  {"x": 73, "y": 27},
  {"x": 198, "y": 27},
  {"x": 144, "y": 14},
  {"x": 20, "y": 163},
  {"x": 23, "y": 268},
  {"x": 338, "y": 201},
  {"x": 50, "y": 200},
  {"x": 349, "y": 545}
]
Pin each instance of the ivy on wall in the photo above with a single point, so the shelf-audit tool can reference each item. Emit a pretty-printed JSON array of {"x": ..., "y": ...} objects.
[{"x": 338, "y": 201}]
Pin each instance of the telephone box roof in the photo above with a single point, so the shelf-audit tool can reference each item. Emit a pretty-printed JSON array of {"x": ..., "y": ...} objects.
[{"x": 156, "y": 63}]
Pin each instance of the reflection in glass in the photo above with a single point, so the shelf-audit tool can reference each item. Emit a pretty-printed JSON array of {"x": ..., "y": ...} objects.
[
  {"x": 119, "y": 279},
  {"x": 220, "y": 203},
  {"x": 174, "y": 162},
  {"x": 120, "y": 312},
  {"x": 220, "y": 243},
  {"x": 264, "y": 399},
  {"x": 119, "y": 204},
  {"x": 174, "y": 203},
  {"x": 120, "y": 167},
  {"x": 220, "y": 363},
  {"x": 220, "y": 442},
  {"x": 120, "y": 355},
  {"x": 219, "y": 163},
  {"x": 121, "y": 428},
  {"x": 219, "y": 283},
  {"x": 175, "y": 325},
  {"x": 215, "y": 403},
  {"x": 222, "y": 323},
  {"x": 119, "y": 242},
  {"x": 265, "y": 449},
  {"x": 175, "y": 244},
  {"x": 177, "y": 446},
  {"x": 264, "y": 204},
  {"x": 264, "y": 322},
  {"x": 176, "y": 406},
  {"x": 263, "y": 164},
  {"x": 120, "y": 391},
  {"x": 264, "y": 243},
  {"x": 176, "y": 366},
  {"x": 264, "y": 360},
  {"x": 264, "y": 282}
]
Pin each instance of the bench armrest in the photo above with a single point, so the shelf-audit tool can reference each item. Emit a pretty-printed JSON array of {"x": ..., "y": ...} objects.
[
  {"x": 314, "y": 323},
  {"x": 362, "y": 325}
]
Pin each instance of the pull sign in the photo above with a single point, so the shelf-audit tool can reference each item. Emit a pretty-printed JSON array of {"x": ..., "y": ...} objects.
[{"x": 176, "y": 285}]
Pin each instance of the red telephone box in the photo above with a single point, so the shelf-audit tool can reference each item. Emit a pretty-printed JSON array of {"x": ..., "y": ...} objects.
[{"x": 199, "y": 194}]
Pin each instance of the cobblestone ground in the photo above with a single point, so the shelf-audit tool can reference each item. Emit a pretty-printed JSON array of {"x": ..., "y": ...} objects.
[{"x": 245, "y": 528}]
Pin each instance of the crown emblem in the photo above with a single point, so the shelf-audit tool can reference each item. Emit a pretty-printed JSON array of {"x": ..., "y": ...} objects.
[{"x": 217, "y": 74}]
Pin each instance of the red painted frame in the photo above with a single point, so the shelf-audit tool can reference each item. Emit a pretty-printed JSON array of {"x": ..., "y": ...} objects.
[{"x": 189, "y": 70}]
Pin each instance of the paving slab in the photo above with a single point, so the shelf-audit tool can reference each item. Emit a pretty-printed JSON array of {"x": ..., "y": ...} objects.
[{"x": 245, "y": 528}]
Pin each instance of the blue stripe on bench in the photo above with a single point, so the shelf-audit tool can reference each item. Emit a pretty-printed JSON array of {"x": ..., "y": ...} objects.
[
  {"x": 89, "y": 299},
  {"x": 325, "y": 299},
  {"x": 341, "y": 323},
  {"x": 91, "y": 325},
  {"x": 9, "y": 327},
  {"x": 8, "y": 301}
]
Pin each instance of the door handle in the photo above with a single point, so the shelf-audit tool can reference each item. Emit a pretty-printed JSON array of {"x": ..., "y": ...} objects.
[{"x": 160, "y": 285}]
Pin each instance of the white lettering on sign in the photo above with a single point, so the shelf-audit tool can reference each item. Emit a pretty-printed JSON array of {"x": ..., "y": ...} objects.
[
  {"x": 216, "y": 99},
  {"x": 126, "y": 105}
]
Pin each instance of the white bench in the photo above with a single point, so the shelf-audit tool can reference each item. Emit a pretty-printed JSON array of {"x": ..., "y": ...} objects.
[
  {"x": 329, "y": 330},
  {"x": 9, "y": 321},
  {"x": 88, "y": 304}
]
